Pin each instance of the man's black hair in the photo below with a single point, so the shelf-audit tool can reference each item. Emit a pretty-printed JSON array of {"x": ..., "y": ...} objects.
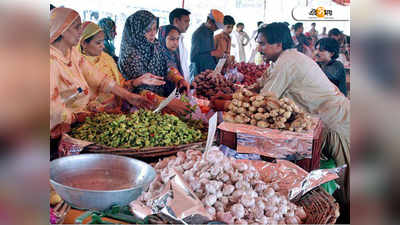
[
  {"x": 177, "y": 13},
  {"x": 334, "y": 32},
  {"x": 51, "y": 7},
  {"x": 240, "y": 24},
  {"x": 277, "y": 33},
  {"x": 330, "y": 45},
  {"x": 313, "y": 24},
  {"x": 228, "y": 20},
  {"x": 259, "y": 23},
  {"x": 298, "y": 26}
]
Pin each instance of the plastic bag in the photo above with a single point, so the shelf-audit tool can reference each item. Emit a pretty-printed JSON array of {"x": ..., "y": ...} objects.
[
  {"x": 329, "y": 186},
  {"x": 234, "y": 75}
]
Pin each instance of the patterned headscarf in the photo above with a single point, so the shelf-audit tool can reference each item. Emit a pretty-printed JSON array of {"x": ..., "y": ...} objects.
[
  {"x": 136, "y": 26},
  {"x": 139, "y": 56},
  {"x": 108, "y": 25},
  {"x": 60, "y": 20}
]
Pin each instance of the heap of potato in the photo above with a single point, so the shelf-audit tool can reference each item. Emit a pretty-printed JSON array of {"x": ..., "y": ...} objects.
[
  {"x": 208, "y": 84},
  {"x": 266, "y": 112}
]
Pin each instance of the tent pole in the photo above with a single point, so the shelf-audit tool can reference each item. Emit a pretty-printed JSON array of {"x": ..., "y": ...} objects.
[{"x": 183, "y": 3}]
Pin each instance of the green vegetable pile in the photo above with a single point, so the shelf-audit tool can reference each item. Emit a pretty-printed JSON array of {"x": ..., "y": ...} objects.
[{"x": 140, "y": 129}]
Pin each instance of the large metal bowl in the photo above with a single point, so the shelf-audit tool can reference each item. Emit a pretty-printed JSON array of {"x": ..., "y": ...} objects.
[{"x": 98, "y": 181}]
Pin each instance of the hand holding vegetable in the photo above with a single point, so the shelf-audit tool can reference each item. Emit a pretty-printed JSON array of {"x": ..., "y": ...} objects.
[
  {"x": 177, "y": 106},
  {"x": 183, "y": 85},
  {"x": 81, "y": 116},
  {"x": 139, "y": 101}
]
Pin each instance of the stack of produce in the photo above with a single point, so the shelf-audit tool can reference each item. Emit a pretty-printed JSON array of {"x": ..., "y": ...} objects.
[
  {"x": 208, "y": 84},
  {"x": 251, "y": 72},
  {"x": 266, "y": 112},
  {"x": 231, "y": 192},
  {"x": 140, "y": 129}
]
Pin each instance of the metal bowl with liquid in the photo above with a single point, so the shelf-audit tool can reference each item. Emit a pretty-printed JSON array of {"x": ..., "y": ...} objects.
[{"x": 98, "y": 181}]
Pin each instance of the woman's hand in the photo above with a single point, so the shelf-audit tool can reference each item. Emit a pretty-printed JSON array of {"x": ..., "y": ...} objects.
[
  {"x": 177, "y": 106},
  {"x": 61, "y": 128},
  {"x": 80, "y": 117},
  {"x": 139, "y": 101},
  {"x": 148, "y": 79},
  {"x": 183, "y": 85}
]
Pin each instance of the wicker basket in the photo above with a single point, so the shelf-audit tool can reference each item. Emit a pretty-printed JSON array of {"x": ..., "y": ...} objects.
[
  {"x": 320, "y": 207},
  {"x": 142, "y": 152}
]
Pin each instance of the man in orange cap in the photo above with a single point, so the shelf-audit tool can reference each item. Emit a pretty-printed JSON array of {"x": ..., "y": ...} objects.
[{"x": 203, "y": 48}]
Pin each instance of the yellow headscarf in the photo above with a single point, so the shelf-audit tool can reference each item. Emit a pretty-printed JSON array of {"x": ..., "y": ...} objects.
[
  {"x": 89, "y": 30},
  {"x": 60, "y": 20}
]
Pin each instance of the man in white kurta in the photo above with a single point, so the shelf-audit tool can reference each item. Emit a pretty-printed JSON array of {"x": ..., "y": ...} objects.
[
  {"x": 239, "y": 40},
  {"x": 296, "y": 76}
]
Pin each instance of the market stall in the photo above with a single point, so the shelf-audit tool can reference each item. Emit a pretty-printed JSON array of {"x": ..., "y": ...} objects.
[
  {"x": 254, "y": 160},
  {"x": 194, "y": 185}
]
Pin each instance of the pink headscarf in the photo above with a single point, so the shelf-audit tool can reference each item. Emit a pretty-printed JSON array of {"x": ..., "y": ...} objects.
[{"x": 60, "y": 20}]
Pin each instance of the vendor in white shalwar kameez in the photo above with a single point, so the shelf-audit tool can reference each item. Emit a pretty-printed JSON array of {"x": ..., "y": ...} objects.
[
  {"x": 296, "y": 76},
  {"x": 239, "y": 40}
]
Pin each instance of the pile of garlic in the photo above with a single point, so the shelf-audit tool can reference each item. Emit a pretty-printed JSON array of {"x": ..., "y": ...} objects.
[
  {"x": 267, "y": 112},
  {"x": 231, "y": 192}
]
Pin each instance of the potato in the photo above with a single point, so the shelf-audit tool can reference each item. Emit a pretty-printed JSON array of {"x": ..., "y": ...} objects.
[
  {"x": 280, "y": 125},
  {"x": 259, "y": 98},
  {"x": 287, "y": 114},
  {"x": 235, "y": 109},
  {"x": 261, "y": 110},
  {"x": 245, "y": 118},
  {"x": 253, "y": 122},
  {"x": 274, "y": 113},
  {"x": 237, "y": 102},
  {"x": 239, "y": 119},
  {"x": 283, "y": 119},
  {"x": 259, "y": 116},
  {"x": 258, "y": 103},
  {"x": 241, "y": 110},
  {"x": 247, "y": 93},
  {"x": 271, "y": 104},
  {"x": 236, "y": 95},
  {"x": 229, "y": 118},
  {"x": 252, "y": 109},
  {"x": 246, "y": 105},
  {"x": 253, "y": 98},
  {"x": 281, "y": 111},
  {"x": 266, "y": 115},
  {"x": 262, "y": 124}
]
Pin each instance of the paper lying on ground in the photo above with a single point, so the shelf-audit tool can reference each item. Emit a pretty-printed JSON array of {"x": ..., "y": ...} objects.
[{"x": 166, "y": 101}]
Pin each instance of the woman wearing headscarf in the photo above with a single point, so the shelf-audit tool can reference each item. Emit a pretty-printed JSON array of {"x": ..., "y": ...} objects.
[
  {"x": 73, "y": 80},
  {"x": 168, "y": 37},
  {"x": 141, "y": 53},
  {"x": 109, "y": 29},
  {"x": 91, "y": 45}
]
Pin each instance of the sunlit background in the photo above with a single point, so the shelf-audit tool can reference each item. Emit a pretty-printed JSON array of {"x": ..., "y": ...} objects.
[{"x": 248, "y": 12}]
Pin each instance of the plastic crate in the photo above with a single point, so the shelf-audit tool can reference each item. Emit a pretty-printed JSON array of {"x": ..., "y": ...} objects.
[{"x": 230, "y": 139}]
